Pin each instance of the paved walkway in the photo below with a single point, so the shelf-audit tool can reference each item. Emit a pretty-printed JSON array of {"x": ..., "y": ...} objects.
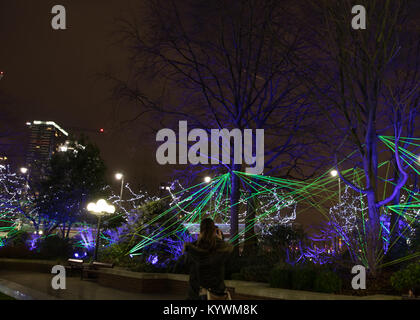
[{"x": 31, "y": 285}]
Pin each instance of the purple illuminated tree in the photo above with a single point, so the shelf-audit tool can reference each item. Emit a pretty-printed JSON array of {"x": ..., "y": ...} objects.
[
  {"x": 354, "y": 75},
  {"x": 227, "y": 65}
]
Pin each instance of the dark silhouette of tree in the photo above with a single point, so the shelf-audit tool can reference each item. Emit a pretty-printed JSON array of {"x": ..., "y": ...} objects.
[
  {"x": 353, "y": 71},
  {"x": 226, "y": 64},
  {"x": 74, "y": 178}
]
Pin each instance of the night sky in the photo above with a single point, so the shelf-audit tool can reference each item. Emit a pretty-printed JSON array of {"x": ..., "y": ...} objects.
[{"x": 55, "y": 75}]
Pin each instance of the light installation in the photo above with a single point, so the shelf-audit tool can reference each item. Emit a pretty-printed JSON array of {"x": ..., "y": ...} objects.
[
  {"x": 274, "y": 200},
  {"x": 277, "y": 200}
]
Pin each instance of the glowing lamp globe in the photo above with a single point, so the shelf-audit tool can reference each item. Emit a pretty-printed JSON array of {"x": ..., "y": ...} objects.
[{"x": 100, "y": 207}]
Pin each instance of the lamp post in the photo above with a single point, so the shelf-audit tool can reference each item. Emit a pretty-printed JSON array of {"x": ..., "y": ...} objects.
[
  {"x": 99, "y": 209},
  {"x": 120, "y": 176},
  {"x": 207, "y": 179},
  {"x": 334, "y": 173},
  {"x": 25, "y": 171}
]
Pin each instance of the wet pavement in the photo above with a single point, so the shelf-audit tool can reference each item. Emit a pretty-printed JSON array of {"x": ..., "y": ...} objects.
[{"x": 31, "y": 285}]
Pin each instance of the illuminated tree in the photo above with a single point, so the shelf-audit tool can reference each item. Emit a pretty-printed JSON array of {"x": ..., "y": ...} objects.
[
  {"x": 227, "y": 65},
  {"x": 354, "y": 76},
  {"x": 74, "y": 178}
]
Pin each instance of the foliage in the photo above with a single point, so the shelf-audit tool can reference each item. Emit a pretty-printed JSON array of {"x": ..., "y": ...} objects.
[
  {"x": 115, "y": 253},
  {"x": 281, "y": 277},
  {"x": 407, "y": 278},
  {"x": 259, "y": 263},
  {"x": 19, "y": 237},
  {"x": 256, "y": 273},
  {"x": 327, "y": 281},
  {"x": 303, "y": 278},
  {"x": 55, "y": 247},
  {"x": 19, "y": 251},
  {"x": 306, "y": 277},
  {"x": 415, "y": 239},
  {"x": 74, "y": 178},
  {"x": 279, "y": 238}
]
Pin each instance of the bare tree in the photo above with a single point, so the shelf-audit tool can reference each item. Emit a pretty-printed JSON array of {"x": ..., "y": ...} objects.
[
  {"x": 353, "y": 73},
  {"x": 228, "y": 65}
]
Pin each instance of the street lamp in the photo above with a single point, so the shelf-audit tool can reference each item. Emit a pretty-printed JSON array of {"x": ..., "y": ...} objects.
[
  {"x": 120, "y": 176},
  {"x": 207, "y": 179},
  {"x": 25, "y": 171},
  {"x": 99, "y": 209},
  {"x": 334, "y": 173}
]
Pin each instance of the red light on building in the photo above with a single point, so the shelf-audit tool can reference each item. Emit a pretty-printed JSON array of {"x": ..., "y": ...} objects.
[{"x": 101, "y": 130}]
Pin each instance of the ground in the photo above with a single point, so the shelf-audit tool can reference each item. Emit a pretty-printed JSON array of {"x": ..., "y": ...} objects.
[
  {"x": 5, "y": 297},
  {"x": 77, "y": 289}
]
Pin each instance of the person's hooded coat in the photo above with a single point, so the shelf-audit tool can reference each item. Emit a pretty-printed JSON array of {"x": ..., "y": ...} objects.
[{"x": 207, "y": 267}]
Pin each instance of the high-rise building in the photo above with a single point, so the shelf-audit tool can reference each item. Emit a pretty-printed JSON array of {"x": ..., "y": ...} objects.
[{"x": 45, "y": 138}]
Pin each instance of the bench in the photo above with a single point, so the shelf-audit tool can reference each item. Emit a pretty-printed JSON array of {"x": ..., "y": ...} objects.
[
  {"x": 92, "y": 268},
  {"x": 95, "y": 266},
  {"x": 76, "y": 264}
]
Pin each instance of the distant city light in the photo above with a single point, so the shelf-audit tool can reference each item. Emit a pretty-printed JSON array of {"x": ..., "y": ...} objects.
[
  {"x": 102, "y": 130},
  {"x": 334, "y": 173},
  {"x": 50, "y": 123},
  {"x": 24, "y": 170}
]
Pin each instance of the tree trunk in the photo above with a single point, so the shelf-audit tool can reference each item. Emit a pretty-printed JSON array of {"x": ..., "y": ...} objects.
[
  {"x": 373, "y": 243},
  {"x": 371, "y": 174},
  {"x": 234, "y": 210},
  {"x": 250, "y": 244}
]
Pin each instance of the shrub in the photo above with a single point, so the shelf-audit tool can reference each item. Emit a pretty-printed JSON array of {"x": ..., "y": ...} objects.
[
  {"x": 55, "y": 247},
  {"x": 20, "y": 251},
  {"x": 115, "y": 253},
  {"x": 148, "y": 268},
  {"x": 255, "y": 267},
  {"x": 407, "y": 278},
  {"x": 233, "y": 265},
  {"x": 303, "y": 278},
  {"x": 281, "y": 277},
  {"x": 307, "y": 277},
  {"x": 237, "y": 276},
  {"x": 257, "y": 273},
  {"x": 18, "y": 238},
  {"x": 327, "y": 281}
]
